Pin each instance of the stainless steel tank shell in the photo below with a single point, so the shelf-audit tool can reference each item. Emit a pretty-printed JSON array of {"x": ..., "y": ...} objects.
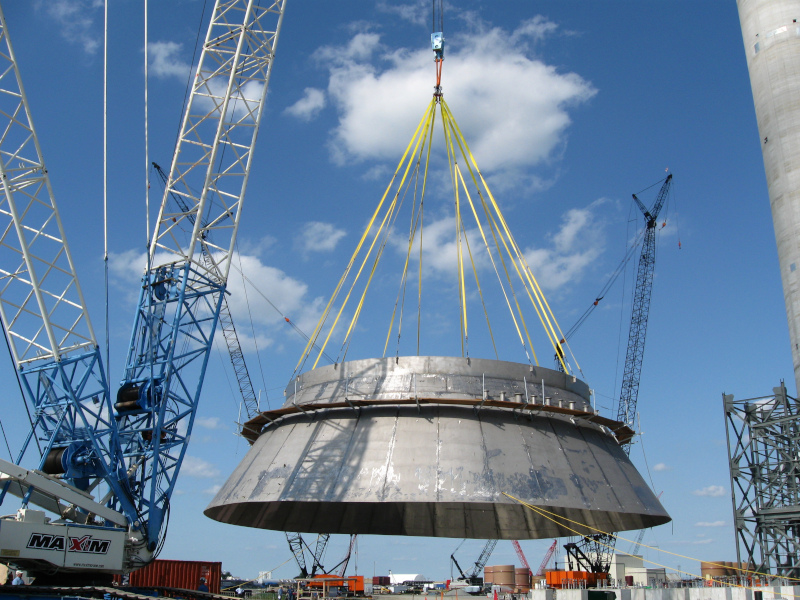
[{"x": 427, "y": 446}]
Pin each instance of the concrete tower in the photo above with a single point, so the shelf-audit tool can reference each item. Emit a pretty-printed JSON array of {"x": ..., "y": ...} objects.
[{"x": 771, "y": 33}]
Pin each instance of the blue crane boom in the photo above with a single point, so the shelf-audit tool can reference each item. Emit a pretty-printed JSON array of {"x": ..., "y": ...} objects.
[
  {"x": 44, "y": 316},
  {"x": 640, "y": 310},
  {"x": 135, "y": 447},
  {"x": 181, "y": 293}
]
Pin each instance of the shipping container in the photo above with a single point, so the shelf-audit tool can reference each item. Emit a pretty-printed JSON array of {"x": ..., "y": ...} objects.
[
  {"x": 184, "y": 574},
  {"x": 381, "y": 580},
  {"x": 354, "y": 584},
  {"x": 558, "y": 579}
]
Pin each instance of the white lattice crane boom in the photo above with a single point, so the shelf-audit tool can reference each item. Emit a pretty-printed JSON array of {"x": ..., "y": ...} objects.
[{"x": 135, "y": 447}]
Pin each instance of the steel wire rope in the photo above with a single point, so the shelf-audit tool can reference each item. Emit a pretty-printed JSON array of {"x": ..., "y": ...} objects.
[
  {"x": 401, "y": 291},
  {"x": 395, "y": 213},
  {"x": 372, "y": 245},
  {"x": 622, "y": 310},
  {"x": 422, "y": 221},
  {"x": 227, "y": 378},
  {"x": 480, "y": 293},
  {"x": 389, "y": 213},
  {"x": 24, "y": 402},
  {"x": 497, "y": 272},
  {"x": 644, "y": 455},
  {"x": 551, "y": 516},
  {"x": 252, "y": 327},
  {"x": 540, "y": 299},
  {"x": 323, "y": 317},
  {"x": 500, "y": 255},
  {"x": 495, "y": 230},
  {"x": 105, "y": 191},
  {"x": 5, "y": 438},
  {"x": 189, "y": 78},
  {"x": 286, "y": 319},
  {"x": 629, "y": 253},
  {"x": 458, "y": 179},
  {"x": 452, "y": 167}
]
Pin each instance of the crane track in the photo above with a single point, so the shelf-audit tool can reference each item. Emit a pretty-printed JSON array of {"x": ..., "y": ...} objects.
[{"x": 123, "y": 593}]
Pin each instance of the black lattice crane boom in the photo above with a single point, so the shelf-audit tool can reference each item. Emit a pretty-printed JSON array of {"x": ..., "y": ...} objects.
[{"x": 640, "y": 310}]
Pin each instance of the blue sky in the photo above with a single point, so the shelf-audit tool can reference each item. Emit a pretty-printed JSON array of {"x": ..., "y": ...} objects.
[{"x": 569, "y": 107}]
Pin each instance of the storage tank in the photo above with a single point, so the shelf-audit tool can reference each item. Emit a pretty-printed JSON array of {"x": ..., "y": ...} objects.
[
  {"x": 713, "y": 569},
  {"x": 504, "y": 575},
  {"x": 488, "y": 575},
  {"x": 522, "y": 579},
  {"x": 429, "y": 446}
]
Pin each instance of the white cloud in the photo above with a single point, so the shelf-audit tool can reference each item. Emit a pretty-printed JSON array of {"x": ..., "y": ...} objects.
[
  {"x": 212, "y": 491},
  {"x": 288, "y": 294},
  {"x": 535, "y": 29},
  {"x": 662, "y": 467},
  {"x": 209, "y": 423},
  {"x": 507, "y": 130},
  {"x": 710, "y": 524},
  {"x": 319, "y": 237},
  {"x": 417, "y": 12},
  {"x": 575, "y": 246},
  {"x": 197, "y": 467},
  {"x": 76, "y": 21},
  {"x": 577, "y": 243},
  {"x": 377, "y": 173},
  {"x": 309, "y": 106},
  {"x": 165, "y": 60},
  {"x": 713, "y": 491}
]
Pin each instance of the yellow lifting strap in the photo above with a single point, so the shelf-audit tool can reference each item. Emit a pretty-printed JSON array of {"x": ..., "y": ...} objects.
[
  {"x": 494, "y": 232},
  {"x": 313, "y": 338},
  {"x": 502, "y": 242},
  {"x": 531, "y": 286},
  {"x": 419, "y": 139}
]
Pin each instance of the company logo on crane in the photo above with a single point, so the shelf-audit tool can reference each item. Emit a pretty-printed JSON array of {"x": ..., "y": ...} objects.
[{"x": 86, "y": 544}]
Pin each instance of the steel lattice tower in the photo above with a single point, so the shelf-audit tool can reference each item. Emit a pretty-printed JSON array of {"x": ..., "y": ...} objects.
[{"x": 763, "y": 435}]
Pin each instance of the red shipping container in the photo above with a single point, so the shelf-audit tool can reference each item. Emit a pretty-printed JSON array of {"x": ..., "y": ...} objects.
[{"x": 183, "y": 574}]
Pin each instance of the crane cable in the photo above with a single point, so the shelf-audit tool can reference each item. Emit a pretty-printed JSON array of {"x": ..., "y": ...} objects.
[
  {"x": 552, "y": 517},
  {"x": 384, "y": 217},
  {"x": 629, "y": 253},
  {"x": 317, "y": 330}
]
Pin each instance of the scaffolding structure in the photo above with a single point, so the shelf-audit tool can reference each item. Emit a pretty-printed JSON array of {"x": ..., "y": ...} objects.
[{"x": 764, "y": 453}]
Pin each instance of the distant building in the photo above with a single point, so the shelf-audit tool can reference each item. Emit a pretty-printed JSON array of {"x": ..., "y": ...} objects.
[
  {"x": 625, "y": 566},
  {"x": 403, "y": 577}
]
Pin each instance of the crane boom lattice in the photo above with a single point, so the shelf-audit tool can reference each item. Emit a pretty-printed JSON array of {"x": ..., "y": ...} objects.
[
  {"x": 43, "y": 311},
  {"x": 184, "y": 283},
  {"x": 640, "y": 311},
  {"x": 548, "y": 555}
]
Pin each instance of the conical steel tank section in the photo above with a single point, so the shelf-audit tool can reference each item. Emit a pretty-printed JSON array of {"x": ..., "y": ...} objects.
[{"x": 429, "y": 446}]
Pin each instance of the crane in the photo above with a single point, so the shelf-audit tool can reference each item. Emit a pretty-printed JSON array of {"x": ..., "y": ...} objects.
[
  {"x": 594, "y": 551},
  {"x": 638, "y": 542},
  {"x": 474, "y": 575},
  {"x": 109, "y": 462},
  {"x": 298, "y": 546},
  {"x": 521, "y": 555},
  {"x": 547, "y": 556},
  {"x": 235, "y": 352},
  {"x": 629, "y": 392}
]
